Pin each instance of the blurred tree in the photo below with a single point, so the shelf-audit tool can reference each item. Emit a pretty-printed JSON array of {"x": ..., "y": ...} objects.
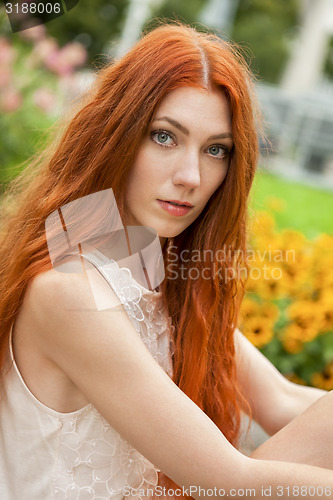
[
  {"x": 182, "y": 10},
  {"x": 328, "y": 68},
  {"x": 94, "y": 24},
  {"x": 266, "y": 27}
]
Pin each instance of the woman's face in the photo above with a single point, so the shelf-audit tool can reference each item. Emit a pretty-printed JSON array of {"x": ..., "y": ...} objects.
[{"x": 182, "y": 161}]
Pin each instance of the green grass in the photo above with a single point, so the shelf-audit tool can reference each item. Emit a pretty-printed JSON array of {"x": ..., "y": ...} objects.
[{"x": 306, "y": 209}]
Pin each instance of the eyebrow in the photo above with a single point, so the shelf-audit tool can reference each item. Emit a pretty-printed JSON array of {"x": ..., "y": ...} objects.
[{"x": 225, "y": 135}]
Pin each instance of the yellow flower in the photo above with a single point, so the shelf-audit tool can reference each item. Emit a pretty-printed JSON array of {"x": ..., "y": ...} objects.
[
  {"x": 325, "y": 305},
  {"x": 324, "y": 380},
  {"x": 292, "y": 338},
  {"x": 324, "y": 277},
  {"x": 253, "y": 286},
  {"x": 276, "y": 204},
  {"x": 324, "y": 242},
  {"x": 258, "y": 330},
  {"x": 296, "y": 274},
  {"x": 262, "y": 223},
  {"x": 269, "y": 311},
  {"x": 292, "y": 345},
  {"x": 249, "y": 308},
  {"x": 286, "y": 264},
  {"x": 268, "y": 281},
  {"x": 323, "y": 262},
  {"x": 295, "y": 240},
  {"x": 308, "y": 317}
]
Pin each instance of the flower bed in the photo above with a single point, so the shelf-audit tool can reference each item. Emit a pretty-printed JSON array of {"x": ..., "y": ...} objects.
[{"x": 287, "y": 309}]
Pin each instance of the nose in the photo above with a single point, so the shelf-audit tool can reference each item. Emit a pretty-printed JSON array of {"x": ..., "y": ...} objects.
[{"x": 187, "y": 170}]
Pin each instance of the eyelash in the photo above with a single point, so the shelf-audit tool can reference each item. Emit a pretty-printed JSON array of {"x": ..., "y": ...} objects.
[
  {"x": 156, "y": 132},
  {"x": 225, "y": 149}
]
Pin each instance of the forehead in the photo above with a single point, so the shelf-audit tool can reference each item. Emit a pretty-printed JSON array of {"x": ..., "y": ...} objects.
[{"x": 197, "y": 107}]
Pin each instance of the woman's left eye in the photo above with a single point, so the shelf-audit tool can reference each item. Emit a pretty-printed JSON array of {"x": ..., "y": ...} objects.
[
  {"x": 217, "y": 151},
  {"x": 162, "y": 137}
]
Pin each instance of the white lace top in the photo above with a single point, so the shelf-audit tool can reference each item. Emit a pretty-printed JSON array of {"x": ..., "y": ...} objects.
[{"x": 46, "y": 455}]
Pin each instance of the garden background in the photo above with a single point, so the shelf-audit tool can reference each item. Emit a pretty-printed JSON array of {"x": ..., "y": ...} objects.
[{"x": 288, "y": 314}]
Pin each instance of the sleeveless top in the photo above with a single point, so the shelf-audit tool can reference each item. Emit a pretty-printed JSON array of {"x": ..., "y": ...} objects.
[{"x": 48, "y": 455}]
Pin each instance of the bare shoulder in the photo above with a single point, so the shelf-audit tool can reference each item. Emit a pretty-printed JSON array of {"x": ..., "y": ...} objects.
[
  {"x": 55, "y": 295},
  {"x": 51, "y": 289},
  {"x": 66, "y": 319},
  {"x": 32, "y": 342}
]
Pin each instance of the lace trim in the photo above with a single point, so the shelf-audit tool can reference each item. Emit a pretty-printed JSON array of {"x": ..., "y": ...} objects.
[{"x": 101, "y": 467}]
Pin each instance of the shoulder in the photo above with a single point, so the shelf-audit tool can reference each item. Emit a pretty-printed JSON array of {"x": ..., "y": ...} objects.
[
  {"x": 63, "y": 310},
  {"x": 92, "y": 347},
  {"x": 53, "y": 284},
  {"x": 53, "y": 293}
]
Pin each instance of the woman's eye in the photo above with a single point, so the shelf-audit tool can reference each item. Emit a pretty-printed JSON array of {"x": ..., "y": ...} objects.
[
  {"x": 217, "y": 151},
  {"x": 162, "y": 138}
]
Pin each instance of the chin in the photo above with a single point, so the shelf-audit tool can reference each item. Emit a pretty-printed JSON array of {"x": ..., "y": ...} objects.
[
  {"x": 164, "y": 229},
  {"x": 170, "y": 233}
]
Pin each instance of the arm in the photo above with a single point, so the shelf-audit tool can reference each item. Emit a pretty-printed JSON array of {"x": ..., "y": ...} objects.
[
  {"x": 104, "y": 356},
  {"x": 299, "y": 417},
  {"x": 274, "y": 400}
]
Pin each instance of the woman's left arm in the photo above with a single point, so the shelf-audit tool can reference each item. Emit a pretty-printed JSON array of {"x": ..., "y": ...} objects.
[{"x": 274, "y": 400}]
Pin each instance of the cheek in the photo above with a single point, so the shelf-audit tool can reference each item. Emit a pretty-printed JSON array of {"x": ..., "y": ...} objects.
[
  {"x": 144, "y": 170},
  {"x": 141, "y": 178},
  {"x": 132, "y": 187},
  {"x": 215, "y": 181}
]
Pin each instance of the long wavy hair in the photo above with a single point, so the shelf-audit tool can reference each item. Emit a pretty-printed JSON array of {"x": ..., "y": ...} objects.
[{"x": 96, "y": 151}]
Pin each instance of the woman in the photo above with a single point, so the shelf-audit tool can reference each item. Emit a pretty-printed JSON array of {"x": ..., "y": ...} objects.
[{"x": 90, "y": 408}]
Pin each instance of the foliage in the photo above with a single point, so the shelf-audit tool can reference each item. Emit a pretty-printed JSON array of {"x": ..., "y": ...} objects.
[
  {"x": 93, "y": 24},
  {"x": 287, "y": 310},
  {"x": 266, "y": 26},
  {"x": 183, "y": 11},
  {"x": 36, "y": 75},
  {"x": 263, "y": 25}
]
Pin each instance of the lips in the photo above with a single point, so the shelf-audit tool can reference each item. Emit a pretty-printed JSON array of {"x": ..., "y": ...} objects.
[
  {"x": 178, "y": 203},
  {"x": 175, "y": 208}
]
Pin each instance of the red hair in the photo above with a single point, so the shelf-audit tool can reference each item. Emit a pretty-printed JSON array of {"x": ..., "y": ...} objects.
[{"x": 97, "y": 151}]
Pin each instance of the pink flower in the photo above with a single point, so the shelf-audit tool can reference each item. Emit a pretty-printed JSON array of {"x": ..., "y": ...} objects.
[
  {"x": 10, "y": 100},
  {"x": 55, "y": 63},
  {"x": 7, "y": 52},
  {"x": 44, "y": 99},
  {"x": 74, "y": 54},
  {"x": 64, "y": 61},
  {"x": 45, "y": 48}
]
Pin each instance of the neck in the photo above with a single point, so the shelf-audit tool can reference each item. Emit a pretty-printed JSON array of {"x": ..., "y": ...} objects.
[{"x": 163, "y": 241}]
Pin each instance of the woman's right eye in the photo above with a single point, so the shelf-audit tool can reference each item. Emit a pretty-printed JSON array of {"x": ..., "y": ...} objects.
[{"x": 162, "y": 138}]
